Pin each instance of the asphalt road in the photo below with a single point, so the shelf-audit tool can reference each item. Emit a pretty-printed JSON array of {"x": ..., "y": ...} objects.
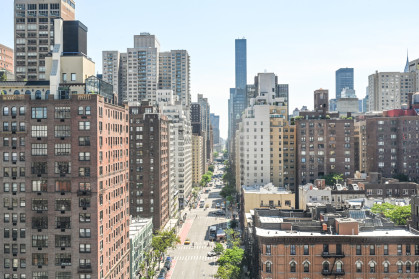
[{"x": 191, "y": 261}]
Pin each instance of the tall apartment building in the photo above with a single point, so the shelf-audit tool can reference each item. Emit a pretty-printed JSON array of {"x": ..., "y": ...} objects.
[
  {"x": 174, "y": 74},
  {"x": 6, "y": 59},
  {"x": 181, "y": 140},
  {"x": 257, "y": 143},
  {"x": 206, "y": 123},
  {"x": 149, "y": 164},
  {"x": 196, "y": 122},
  {"x": 390, "y": 90},
  {"x": 143, "y": 69},
  {"x": 215, "y": 123},
  {"x": 197, "y": 159},
  {"x": 241, "y": 63},
  {"x": 393, "y": 144},
  {"x": 64, "y": 176},
  {"x": 325, "y": 142},
  {"x": 34, "y": 34},
  {"x": 344, "y": 79}
]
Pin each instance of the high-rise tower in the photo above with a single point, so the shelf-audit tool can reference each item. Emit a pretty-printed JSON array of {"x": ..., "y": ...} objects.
[
  {"x": 241, "y": 64},
  {"x": 344, "y": 78},
  {"x": 34, "y": 34}
]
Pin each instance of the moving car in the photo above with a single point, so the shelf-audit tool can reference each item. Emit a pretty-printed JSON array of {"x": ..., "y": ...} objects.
[
  {"x": 211, "y": 254},
  {"x": 187, "y": 242},
  {"x": 217, "y": 205}
]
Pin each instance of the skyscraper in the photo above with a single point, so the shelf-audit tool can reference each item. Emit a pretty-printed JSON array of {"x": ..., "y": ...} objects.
[
  {"x": 344, "y": 78},
  {"x": 241, "y": 64},
  {"x": 34, "y": 34}
]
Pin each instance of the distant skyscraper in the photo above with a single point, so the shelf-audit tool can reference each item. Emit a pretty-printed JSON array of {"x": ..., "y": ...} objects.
[
  {"x": 406, "y": 67},
  {"x": 241, "y": 64},
  {"x": 344, "y": 78}
]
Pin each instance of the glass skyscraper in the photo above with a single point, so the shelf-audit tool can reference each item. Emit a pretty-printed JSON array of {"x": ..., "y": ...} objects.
[
  {"x": 241, "y": 64},
  {"x": 344, "y": 78}
]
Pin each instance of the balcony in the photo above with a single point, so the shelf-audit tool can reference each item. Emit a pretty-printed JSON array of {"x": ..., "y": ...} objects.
[
  {"x": 333, "y": 272},
  {"x": 333, "y": 255}
]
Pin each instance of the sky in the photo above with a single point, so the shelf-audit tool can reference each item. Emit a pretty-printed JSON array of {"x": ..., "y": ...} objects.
[{"x": 303, "y": 42}]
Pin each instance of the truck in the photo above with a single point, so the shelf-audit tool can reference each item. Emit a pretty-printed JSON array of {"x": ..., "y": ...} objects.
[{"x": 212, "y": 234}]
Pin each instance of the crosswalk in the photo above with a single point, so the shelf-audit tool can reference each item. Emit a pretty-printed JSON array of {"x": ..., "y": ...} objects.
[
  {"x": 196, "y": 247},
  {"x": 195, "y": 258}
]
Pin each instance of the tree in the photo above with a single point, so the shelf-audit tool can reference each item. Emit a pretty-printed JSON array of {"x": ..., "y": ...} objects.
[
  {"x": 228, "y": 271},
  {"x": 215, "y": 154},
  {"x": 3, "y": 77},
  {"x": 211, "y": 168},
  {"x": 219, "y": 248},
  {"x": 338, "y": 177},
  {"x": 233, "y": 256},
  {"x": 397, "y": 214}
]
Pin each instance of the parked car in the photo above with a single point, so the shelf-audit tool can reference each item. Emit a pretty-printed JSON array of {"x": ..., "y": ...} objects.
[
  {"x": 211, "y": 254},
  {"x": 168, "y": 263},
  {"x": 162, "y": 274}
]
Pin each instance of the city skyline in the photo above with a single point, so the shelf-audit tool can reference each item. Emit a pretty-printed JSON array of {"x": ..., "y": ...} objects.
[{"x": 212, "y": 61}]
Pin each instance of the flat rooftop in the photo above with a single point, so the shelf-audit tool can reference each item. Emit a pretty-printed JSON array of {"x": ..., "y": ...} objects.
[
  {"x": 278, "y": 233},
  {"x": 266, "y": 189},
  {"x": 138, "y": 225}
]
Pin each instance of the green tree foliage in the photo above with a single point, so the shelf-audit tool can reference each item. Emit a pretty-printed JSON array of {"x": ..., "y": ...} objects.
[
  {"x": 3, "y": 77},
  {"x": 211, "y": 168},
  {"x": 216, "y": 154},
  {"x": 228, "y": 271},
  {"x": 233, "y": 256},
  {"x": 338, "y": 177},
  {"x": 397, "y": 214},
  {"x": 331, "y": 178},
  {"x": 219, "y": 248}
]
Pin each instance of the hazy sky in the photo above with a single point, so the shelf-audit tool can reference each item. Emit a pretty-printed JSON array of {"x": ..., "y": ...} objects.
[{"x": 303, "y": 42}]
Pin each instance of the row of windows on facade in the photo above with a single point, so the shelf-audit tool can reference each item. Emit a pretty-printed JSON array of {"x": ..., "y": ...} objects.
[
  {"x": 61, "y": 149},
  {"x": 40, "y": 131},
  {"x": 41, "y": 259},
  {"x": 44, "y": 275},
  {"x": 319, "y": 124},
  {"x": 372, "y": 267},
  {"x": 42, "y": 222},
  {"x": 41, "y": 204},
  {"x": 40, "y": 168},
  {"x": 41, "y": 112}
]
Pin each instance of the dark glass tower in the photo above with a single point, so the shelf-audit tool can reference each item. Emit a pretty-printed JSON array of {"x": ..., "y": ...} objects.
[
  {"x": 241, "y": 64},
  {"x": 344, "y": 78}
]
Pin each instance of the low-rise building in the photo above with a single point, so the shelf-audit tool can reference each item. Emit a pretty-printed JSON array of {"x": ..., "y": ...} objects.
[
  {"x": 140, "y": 235},
  {"x": 351, "y": 244}
]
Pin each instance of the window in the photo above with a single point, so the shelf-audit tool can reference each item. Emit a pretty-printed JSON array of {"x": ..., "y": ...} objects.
[
  {"x": 399, "y": 249},
  {"x": 39, "y": 131},
  {"x": 268, "y": 249},
  {"x": 63, "y": 204},
  {"x": 385, "y": 249},
  {"x": 62, "y": 131},
  {"x": 63, "y": 275},
  {"x": 372, "y": 267},
  {"x": 84, "y": 125},
  {"x": 326, "y": 249},
  {"x": 39, "y": 149},
  {"x": 62, "y": 168},
  {"x": 408, "y": 267},
  {"x": 292, "y": 249},
  {"x": 38, "y": 260},
  {"x": 358, "y": 250},
  {"x": 62, "y": 186},
  {"x": 73, "y": 77},
  {"x": 326, "y": 266},
  {"x": 85, "y": 233},
  {"x": 306, "y": 266},
  {"x": 39, "y": 113},
  {"x": 399, "y": 267},
  {"x": 358, "y": 267},
  {"x": 293, "y": 267},
  {"x": 40, "y": 186},
  {"x": 84, "y": 218},
  {"x": 268, "y": 267},
  {"x": 84, "y": 172},
  {"x": 416, "y": 249},
  {"x": 39, "y": 204},
  {"x": 84, "y": 202},
  {"x": 416, "y": 267},
  {"x": 84, "y": 141},
  {"x": 84, "y": 186},
  {"x": 62, "y": 112},
  {"x": 5, "y": 111},
  {"x": 372, "y": 249},
  {"x": 84, "y": 248},
  {"x": 62, "y": 259},
  {"x": 40, "y": 275},
  {"x": 62, "y": 149},
  {"x": 39, "y": 168},
  {"x": 306, "y": 250},
  {"x": 84, "y": 156}
]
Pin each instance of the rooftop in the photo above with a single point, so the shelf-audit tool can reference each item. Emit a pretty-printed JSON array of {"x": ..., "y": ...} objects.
[
  {"x": 267, "y": 189},
  {"x": 138, "y": 225},
  {"x": 375, "y": 233}
]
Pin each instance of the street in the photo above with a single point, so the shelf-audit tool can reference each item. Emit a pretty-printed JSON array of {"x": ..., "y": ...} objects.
[{"x": 191, "y": 261}]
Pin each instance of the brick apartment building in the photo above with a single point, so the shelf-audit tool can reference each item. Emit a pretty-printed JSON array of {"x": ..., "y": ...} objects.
[
  {"x": 336, "y": 247},
  {"x": 393, "y": 144},
  {"x": 6, "y": 59},
  {"x": 149, "y": 164},
  {"x": 65, "y": 187}
]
